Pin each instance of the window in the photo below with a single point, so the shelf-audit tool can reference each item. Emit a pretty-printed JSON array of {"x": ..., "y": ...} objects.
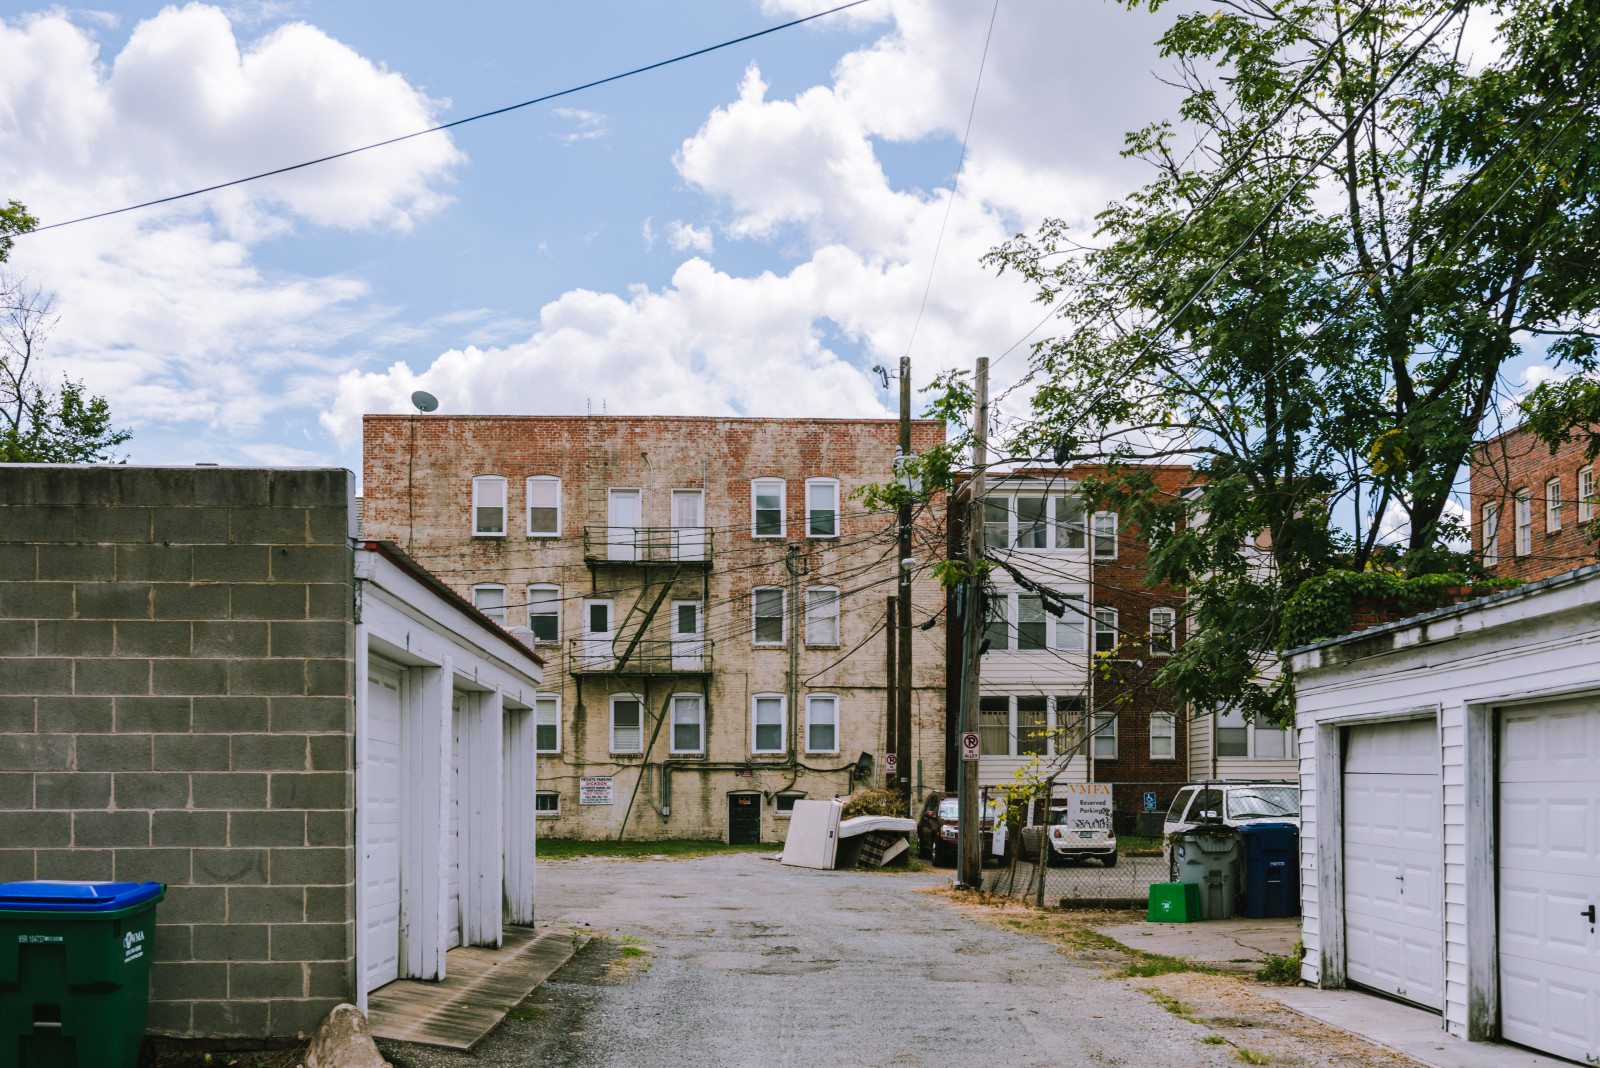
[
  {"x": 768, "y": 602},
  {"x": 1233, "y": 734},
  {"x": 1163, "y": 736},
  {"x": 766, "y": 503},
  {"x": 547, "y": 803},
  {"x": 1491, "y": 534},
  {"x": 1552, "y": 506},
  {"x": 544, "y": 613},
  {"x": 822, "y": 723},
  {"x": 1032, "y": 528},
  {"x": 1105, "y": 630},
  {"x": 1105, "y": 736},
  {"x": 994, "y": 726},
  {"x": 784, "y": 803},
  {"x": 767, "y": 716},
  {"x": 1033, "y": 726},
  {"x": 1524, "y": 519},
  {"x": 1069, "y": 523},
  {"x": 598, "y": 619},
  {"x": 491, "y": 601},
  {"x": 1105, "y": 535},
  {"x": 688, "y": 723},
  {"x": 1585, "y": 494},
  {"x": 822, "y": 616},
  {"x": 1025, "y": 725},
  {"x": 997, "y": 628},
  {"x": 997, "y": 522},
  {"x": 822, "y": 508},
  {"x": 595, "y": 648},
  {"x": 686, "y": 622},
  {"x": 1071, "y": 722},
  {"x": 1163, "y": 631},
  {"x": 1071, "y": 627},
  {"x": 689, "y": 533},
  {"x": 547, "y": 723},
  {"x": 489, "y": 506},
  {"x": 1030, "y": 622},
  {"x": 627, "y": 724},
  {"x": 544, "y": 506},
  {"x": 1272, "y": 743}
]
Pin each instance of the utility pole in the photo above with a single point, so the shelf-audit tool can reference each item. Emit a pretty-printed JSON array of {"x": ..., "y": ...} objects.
[
  {"x": 970, "y": 862},
  {"x": 902, "y": 717},
  {"x": 890, "y": 676}
]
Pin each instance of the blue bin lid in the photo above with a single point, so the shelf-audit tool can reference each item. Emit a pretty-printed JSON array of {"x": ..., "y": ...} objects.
[
  {"x": 1262, "y": 828},
  {"x": 50, "y": 895}
]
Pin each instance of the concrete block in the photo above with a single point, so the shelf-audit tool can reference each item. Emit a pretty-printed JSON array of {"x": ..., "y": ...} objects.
[
  {"x": 120, "y": 523},
  {"x": 266, "y": 980},
  {"x": 231, "y": 638},
  {"x": 209, "y": 829},
  {"x": 269, "y": 752},
  {"x": 69, "y": 562},
  {"x": 311, "y": 715},
  {"x": 38, "y": 522},
  {"x": 110, "y": 830},
  {"x": 189, "y": 526},
  {"x": 310, "y": 638},
  {"x": 111, "y": 676},
  {"x": 36, "y": 600},
  {"x": 18, "y": 562},
  {"x": 329, "y": 526},
  {"x": 184, "y": 600},
  {"x": 266, "y": 904},
  {"x": 329, "y": 978},
  {"x": 114, "y": 752},
  {"x": 174, "y": 941},
  {"x": 18, "y": 637},
  {"x": 329, "y": 600},
  {"x": 172, "y": 981},
  {"x": 313, "y": 563},
  {"x": 268, "y": 600},
  {"x": 268, "y": 677},
  {"x": 146, "y": 638},
  {"x": 300, "y": 1018},
  {"x": 231, "y": 563},
  {"x": 16, "y": 865},
  {"x": 71, "y": 790},
  {"x": 232, "y": 486},
  {"x": 70, "y": 715},
  {"x": 229, "y": 790},
  {"x": 328, "y": 677},
  {"x": 312, "y": 790},
  {"x": 170, "y": 866},
  {"x": 39, "y": 830},
  {"x": 16, "y": 791},
  {"x": 76, "y": 637},
  {"x": 154, "y": 563},
  {"x": 113, "y": 600},
  {"x": 331, "y": 752},
  {"x": 331, "y": 828},
  {"x": 36, "y": 752},
  {"x": 310, "y": 941},
  {"x": 232, "y": 1018},
  {"x": 230, "y": 941},
  {"x": 162, "y": 715},
  {"x": 150, "y": 485},
  {"x": 310, "y": 867},
  {"x": 327, "y": 904},
  {"x": 267, "y": 828},
  {"x": 192, "y": 752},
  {"x": 267, "y": 526},
  {"x": 143, "y": 789},
  {"x": 231, "y": 714},
  {"x": 195, "y": 904},
  {"x": 230, "y": 867},
  {"x": 169, "y": 1018},
  {"x": 36, "y": 675},
  {"x": 17, "y": 715},
  {"x": 77, "y": 865},
  {"x": 189, "y": 677},
  {"x": 311, "y": 487}
]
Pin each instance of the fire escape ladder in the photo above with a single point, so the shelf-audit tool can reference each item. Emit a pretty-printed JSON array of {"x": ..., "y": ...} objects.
[{"x": 646, "y": 614}]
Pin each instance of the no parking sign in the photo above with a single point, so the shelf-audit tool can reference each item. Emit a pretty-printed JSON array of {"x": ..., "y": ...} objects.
[{"x": 969, "y": 745}]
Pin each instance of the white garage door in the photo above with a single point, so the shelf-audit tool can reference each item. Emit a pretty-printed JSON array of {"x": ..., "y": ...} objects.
[
  {"x": 1549, "y": 854},
  {"x": 458, "y": 726},
  {"x": 381, "y": 822},
  {"x": 1394, "y": 925}
]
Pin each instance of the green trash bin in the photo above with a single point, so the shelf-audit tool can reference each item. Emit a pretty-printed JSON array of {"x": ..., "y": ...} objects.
[{"x": 75, "y": 972}]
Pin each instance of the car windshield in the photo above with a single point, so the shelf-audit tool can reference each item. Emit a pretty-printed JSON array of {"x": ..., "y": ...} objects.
[
  {"x": 949, "y": 808},
  {"x": 1256, "y": 802}
]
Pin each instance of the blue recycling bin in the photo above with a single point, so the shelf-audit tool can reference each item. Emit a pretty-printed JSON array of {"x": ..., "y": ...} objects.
[{"x": 1271, "y": 870}]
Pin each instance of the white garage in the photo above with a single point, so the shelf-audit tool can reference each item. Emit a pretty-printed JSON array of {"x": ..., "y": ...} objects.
[{"x": 1450, "y": 837}]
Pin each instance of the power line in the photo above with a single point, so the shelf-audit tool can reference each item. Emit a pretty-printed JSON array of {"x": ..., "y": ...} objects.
[{"x": 452, "y": 125}]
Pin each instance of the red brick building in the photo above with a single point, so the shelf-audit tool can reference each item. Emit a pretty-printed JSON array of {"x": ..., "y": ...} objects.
[{"x": 1532, "y": 512}]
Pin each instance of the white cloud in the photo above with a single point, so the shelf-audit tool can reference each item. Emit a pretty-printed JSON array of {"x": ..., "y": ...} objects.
[
  {"x": 590, "y": 124},
  {"x": 683, "y": 236},
  {"x": 648, "y": 232}
]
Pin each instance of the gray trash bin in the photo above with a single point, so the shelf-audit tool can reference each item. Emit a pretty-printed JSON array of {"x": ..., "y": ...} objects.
[{"x": 1212, "y": 861}]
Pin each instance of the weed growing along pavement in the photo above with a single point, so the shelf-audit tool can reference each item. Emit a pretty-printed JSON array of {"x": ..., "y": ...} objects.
[{"x": 665, "y": 849}]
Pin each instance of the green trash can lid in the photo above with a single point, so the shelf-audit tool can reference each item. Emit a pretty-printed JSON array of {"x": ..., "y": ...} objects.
[{"x": 50, "y": 895}]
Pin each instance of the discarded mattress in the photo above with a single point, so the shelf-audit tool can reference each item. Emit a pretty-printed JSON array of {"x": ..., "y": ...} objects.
[{"x": 818, "y": 838}]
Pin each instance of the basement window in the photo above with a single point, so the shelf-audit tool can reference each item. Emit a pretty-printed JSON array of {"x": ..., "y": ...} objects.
[{"x": 547, "y": 803}]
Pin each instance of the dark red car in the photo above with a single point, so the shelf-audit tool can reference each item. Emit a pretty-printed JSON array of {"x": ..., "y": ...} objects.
[{"x": 936, "y": 828}]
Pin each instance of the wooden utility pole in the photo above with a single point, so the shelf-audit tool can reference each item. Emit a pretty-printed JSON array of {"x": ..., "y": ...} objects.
[
  {"x": 970, "y": 863},
  {"x": 902, "y": 719},
  {"x": 890, "y": 676}
]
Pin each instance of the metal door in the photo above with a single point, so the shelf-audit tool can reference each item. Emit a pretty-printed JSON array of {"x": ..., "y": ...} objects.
[
  {"x": 744, "y": 819},
  {"x": 1549, "y": 860},
  {"x": 380, "y": 873}
]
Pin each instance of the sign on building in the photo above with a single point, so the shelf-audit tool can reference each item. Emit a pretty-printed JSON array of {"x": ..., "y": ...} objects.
[
  {"x": 1088, "y": 805},
  {"x": 596, "y": 791}
]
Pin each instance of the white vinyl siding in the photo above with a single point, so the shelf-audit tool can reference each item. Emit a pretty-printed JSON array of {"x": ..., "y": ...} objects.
[
  {"x": 822, "y": 616},
  {"x": 767, "y": 723},
  {"x": 544, "y": 506},
  {"x": 822, "y": 508},
  {"x": 822, "y": 723},
  {"x": 489, "y": 506},
  {"x": 767, "y": 612},
  {"x": 767, "y": 508}
]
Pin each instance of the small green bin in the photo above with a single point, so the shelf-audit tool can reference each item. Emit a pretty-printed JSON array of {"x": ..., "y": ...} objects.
[
  {"x": 1174, "y": 903},
  {"x": 75, "y": 972}
]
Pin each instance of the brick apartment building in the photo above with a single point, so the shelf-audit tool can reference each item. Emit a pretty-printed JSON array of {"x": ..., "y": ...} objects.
[
  {"x": 1533, "y": 512},
  {"x": 710, "y": 602},
  {"x": 1038, "y": 695}
]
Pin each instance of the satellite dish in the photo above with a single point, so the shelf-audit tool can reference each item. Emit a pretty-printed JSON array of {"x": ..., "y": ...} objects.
[{"x": 425, "y": 402}]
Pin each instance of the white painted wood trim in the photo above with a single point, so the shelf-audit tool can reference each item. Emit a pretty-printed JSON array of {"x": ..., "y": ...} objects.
[
  {"x": 1328, "y": 872},
  {"x": 359, "y": 743},
  {"x": 485, "y": 875},
  {"x": 424, "y": 864},
  {"x": 1483, "y": 950},
  {"x": 520, "y": 821}
]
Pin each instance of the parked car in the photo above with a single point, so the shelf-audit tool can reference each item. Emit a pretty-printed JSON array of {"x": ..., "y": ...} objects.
[
  {"x": 1067, "y": 843},
  {"x": 1231, "y": 804},
  {"x": 936, "y": 828}
]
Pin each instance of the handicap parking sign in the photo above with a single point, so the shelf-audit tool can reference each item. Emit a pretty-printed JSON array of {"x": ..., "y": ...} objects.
[{"x": 1150, "y": 801}]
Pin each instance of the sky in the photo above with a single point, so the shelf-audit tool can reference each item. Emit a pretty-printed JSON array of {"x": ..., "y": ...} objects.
[{"x": 746, "y": 232}]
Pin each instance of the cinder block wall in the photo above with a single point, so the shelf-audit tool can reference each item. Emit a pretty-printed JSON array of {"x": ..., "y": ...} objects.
[{"x": 176, "y": 704}]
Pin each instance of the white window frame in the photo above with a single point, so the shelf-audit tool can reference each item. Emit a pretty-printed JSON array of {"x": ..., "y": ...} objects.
[
  {"x": 527, "y": 505},
  {"x": 783, "y": 616},
  {"x": 1056, "y": 501},
  {"x": 549, "y": 697},
  {"x": 822, "y": 483},
  {"x": 611, "y": 720},
  {"x": 1015, "y": 609},
  {"x": 1103, "y": 727},
  {"x": 1490, "y": 534},
  {"x": 1002, "y": 601},
  {"x": 546, "y": 813},
  {"x": 783, "y": 506},
  {"x": 783, "y": 722},
  {"x": 1098, "y": 520},
  {"x": 1523, "y": 503},
  {"x": 1164, "y": 621},
  {"x": 832, "y": 616},
  {"x": 1552, "y": 505},
  {"x": 1585, "y": 494},
  {"x": 1015, "y": 538},
  {"x": 1251, "y": 750},
  {"x": 1163, "y": 725},
  {"x": 1077, "y": 609},
  {"x": 478, "y": 484},
  {"x": 833, "y": 698},
  {"x": 485, "y": 587},
  {"x": 700, "y": 723},
  {"x": 556, "y": 600},
  {"x": 1105, "y": 619}
]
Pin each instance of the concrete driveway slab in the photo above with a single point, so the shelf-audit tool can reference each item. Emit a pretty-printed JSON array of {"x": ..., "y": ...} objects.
[{"x": 1227, "y": 945}]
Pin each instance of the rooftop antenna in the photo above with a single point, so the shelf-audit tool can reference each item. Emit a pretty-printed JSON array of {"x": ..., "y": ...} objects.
[{"x": 424, "y": 401}]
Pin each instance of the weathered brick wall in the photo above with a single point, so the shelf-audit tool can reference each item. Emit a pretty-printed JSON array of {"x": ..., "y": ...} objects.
[
  {"x": 1516, "y": 461},
  {"x": 417, "y": 491},
  {"x": 176, "y": 705}
]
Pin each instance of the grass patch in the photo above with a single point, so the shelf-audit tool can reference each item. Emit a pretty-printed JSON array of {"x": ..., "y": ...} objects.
[
  {"x": 633, "y": 951},
  {"x": 1214, "y": 1040},
  {"x": 1283, "y": 970},
  {"x": 1171, "y": 1004},
  {"x": 672, "y": 848},
  {"x": 524, "y": 1012},
  {"x": 1133, "y": 845},
  {"x": 1250, "y": 1056}
]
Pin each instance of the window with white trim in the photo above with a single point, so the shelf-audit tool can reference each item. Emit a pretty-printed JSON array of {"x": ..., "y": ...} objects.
[
  {"x": 1491, "y": 535},
  {"x": 1071, "y": 722},
  {"x": 766, "y": 508},
  {"x": 994, "y": 726},
  {"x": 544, "y": 613},
  {"x": 547, "y": 723},
  {"x": 1072, "y": 627},
  {"x": 546, "y": 803},
  {"x": 822, "y": 508},
  {"x": 766, "y": 723},
  {"x": 491, "y": 601},
  {"x": 822, "y": 616},
  {"x": 489, "y": 506},
  {"x": 1523, "y": 503},
  {"x": 1585, "y": 494},
  {"x": 1163, "y": 631},
  {"x": 1163, "y": 736},
  {"x": 1105, "y": 630},
  {"x": 627, "y": 723},
  {"x": 1029, "y": 725},
  {"x": 544, "y": 506},
  {"x": 1105, "y": 535},
  {"x": 1552, "y": 506},
  {"x": 1033, "y": 521},
  {"x": 1033, "y": 525},
  {"x": 997, "y": 627},
  {"x": 1105, "y": 736},
  {"x": 1255, "y": 741},
  {"x": 822, "y": 723},
  {"x": 1030, "y": 622},
  {"x": 688, "y": 723},
  {"x": 1069, "y": 523},
  {"x": 767, "y": 611}
]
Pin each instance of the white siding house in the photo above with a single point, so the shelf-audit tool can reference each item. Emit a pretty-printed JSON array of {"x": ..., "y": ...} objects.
[{"x": 1450, "y": 834}]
